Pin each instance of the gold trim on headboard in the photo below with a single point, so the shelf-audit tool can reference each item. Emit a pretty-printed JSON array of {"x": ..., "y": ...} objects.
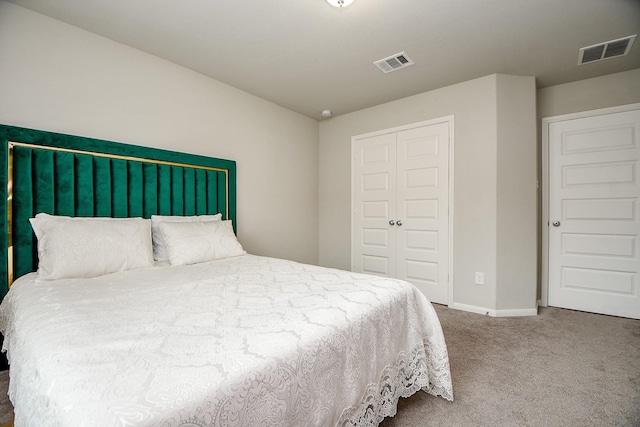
[
  {"x": 115, "y": 156},
  {"x": 12, "y": 144},
  {"x": 10, "y": 217}
]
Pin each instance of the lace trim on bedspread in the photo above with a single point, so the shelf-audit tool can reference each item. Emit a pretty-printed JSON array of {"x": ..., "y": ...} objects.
[
  {"x": 422, "y": 369},
  {"x": 425, "y": 367}
]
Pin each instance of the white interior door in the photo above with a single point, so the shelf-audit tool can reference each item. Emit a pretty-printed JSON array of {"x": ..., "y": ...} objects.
[
  {"x": 422, "y": 203},
  {"x": 400, "y": 207},
  {"x": 375, "y": 193},
  {"x": 594, "y": 209}
]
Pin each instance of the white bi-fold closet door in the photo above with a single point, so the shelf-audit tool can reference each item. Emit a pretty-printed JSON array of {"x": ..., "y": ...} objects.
[{"x": 400, "y": 199}]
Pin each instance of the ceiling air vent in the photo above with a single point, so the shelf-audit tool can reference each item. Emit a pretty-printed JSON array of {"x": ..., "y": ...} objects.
[
  {"x": 393, "y": 62},
  {"x": 610, "y": 49}
]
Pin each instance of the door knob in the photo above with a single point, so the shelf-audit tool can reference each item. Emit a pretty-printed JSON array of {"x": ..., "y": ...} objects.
[
  {"x": 556, "y": 223},
  {"x": 399, "y": 223},
  {"x": 392, "y": 222}
]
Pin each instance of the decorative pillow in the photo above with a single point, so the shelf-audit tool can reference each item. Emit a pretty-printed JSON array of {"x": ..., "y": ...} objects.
[
  {"x": 159, "y": 247},
  {"x": 194, "y": 242},
  {"x": 71, "y": 247}
]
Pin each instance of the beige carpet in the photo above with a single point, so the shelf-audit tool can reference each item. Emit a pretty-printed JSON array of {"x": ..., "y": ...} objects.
[
  {"x": 6, "y": 410},
  {"x": 560, "y": 368}
]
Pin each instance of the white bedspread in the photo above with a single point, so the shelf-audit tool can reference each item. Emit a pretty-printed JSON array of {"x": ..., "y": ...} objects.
[{"x": 245, "y": 341}]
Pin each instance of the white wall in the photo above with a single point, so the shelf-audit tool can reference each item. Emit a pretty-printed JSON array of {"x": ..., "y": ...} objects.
[
  {"x": 474, "y": 105},
  {"x": 60, "y": 78}
]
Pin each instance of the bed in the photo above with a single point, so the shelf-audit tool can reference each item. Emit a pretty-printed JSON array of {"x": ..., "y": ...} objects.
[{"x": 211, "y": 336}]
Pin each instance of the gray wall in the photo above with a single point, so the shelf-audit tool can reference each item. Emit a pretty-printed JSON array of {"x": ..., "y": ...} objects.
[
  {"x": 591, "y": 94},
  {"x": 60, "y": 78},
  {"x": 517, "y": 194},
  {"x": 489, "y": 113}
]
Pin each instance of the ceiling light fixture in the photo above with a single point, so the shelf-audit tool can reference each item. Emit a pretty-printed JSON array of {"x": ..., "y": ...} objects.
[{"x": 340, "y": 3}]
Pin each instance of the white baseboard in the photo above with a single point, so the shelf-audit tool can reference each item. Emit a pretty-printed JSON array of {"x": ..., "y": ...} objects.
[
  {"x": 519, "y": 312},
  {"x": 473, "y": 309}
]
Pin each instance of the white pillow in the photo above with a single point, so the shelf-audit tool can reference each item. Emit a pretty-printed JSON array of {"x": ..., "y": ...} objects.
[
  {"x": 194, "y": 242},
  {"x": 159, "y": 247},
  {"x": 88, "y": 247}
]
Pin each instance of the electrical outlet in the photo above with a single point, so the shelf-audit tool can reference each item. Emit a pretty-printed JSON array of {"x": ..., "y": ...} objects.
[{"x": 479, "y": 278}]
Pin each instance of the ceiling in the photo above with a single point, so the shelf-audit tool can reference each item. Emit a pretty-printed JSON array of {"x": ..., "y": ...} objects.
[{"x": 308, "y": 56}]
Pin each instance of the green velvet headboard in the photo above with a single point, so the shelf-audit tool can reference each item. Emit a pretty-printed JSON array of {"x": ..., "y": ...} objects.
[{"x": 76, "y": 176}]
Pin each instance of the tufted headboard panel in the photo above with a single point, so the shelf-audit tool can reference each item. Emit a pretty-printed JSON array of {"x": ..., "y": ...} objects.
[{"x": 76, "y": 176}]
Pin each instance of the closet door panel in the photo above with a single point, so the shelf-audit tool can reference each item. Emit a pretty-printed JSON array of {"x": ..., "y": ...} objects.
[
  {"x": 374, "y": 192},
  {"x": 422, "y": 203}
]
